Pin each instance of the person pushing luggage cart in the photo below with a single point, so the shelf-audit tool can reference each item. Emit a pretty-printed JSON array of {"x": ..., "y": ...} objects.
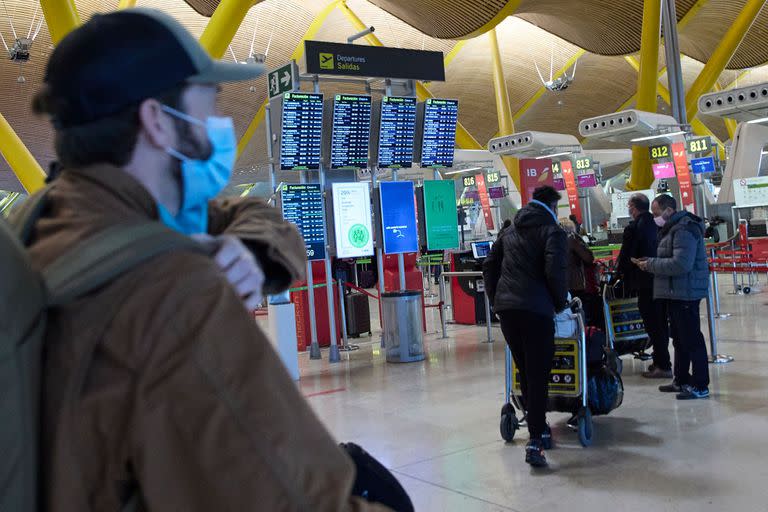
[{"x": 525, "y": 276}]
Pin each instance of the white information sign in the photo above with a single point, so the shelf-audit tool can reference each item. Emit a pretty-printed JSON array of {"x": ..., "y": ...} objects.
[
  {"x": 751, "y": 191},
  {"x": 619, "y": 201},
  {"x": 352, "y": 220}
]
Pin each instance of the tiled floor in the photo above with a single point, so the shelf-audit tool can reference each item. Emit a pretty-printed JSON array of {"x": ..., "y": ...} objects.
[{"x": 436, "y": 425}]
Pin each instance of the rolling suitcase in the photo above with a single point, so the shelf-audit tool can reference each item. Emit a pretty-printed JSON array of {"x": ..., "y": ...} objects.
[{"x": 358, "y": 314}]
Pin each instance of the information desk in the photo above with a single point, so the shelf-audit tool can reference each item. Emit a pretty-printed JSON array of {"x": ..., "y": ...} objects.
[
  {"x": 467, "y": 292},
  {"x": 300, "y": 300}
]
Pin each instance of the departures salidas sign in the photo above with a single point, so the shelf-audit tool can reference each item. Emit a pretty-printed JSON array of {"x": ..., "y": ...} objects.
[{"x": 324, "y": 58}]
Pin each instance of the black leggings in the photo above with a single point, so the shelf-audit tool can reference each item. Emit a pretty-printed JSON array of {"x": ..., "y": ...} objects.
[{"x": 531, "y": 338}]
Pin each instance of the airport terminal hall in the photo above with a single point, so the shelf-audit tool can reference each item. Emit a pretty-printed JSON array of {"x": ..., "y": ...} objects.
[{"x": 383, "y": 255}]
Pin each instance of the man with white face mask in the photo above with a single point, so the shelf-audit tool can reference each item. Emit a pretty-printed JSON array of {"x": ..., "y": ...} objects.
[
  {"x": 681, "y": 277},
  {"x": 159, "y": 390}
]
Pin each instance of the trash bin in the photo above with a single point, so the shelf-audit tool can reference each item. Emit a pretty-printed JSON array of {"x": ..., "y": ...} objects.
[{"x": 403, "y": 334}]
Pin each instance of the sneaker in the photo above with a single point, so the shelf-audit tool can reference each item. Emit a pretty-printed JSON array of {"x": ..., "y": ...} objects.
[
  {"x": 658, "y": 373},
  {"x": 573, "y": 422},
  {"x": 546, "y": 439},
  {"x": 693, "y": 393},
  {"x": 673, "y": 387},
  {"x": 534, "y": 454},
  {"x": 652, "y": 367}
]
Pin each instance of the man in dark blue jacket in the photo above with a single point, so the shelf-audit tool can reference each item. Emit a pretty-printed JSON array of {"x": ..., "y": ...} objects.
[
  {"x": 640, "y": 241},
  {"x": 525, "y": 277},
  {"x": 681, "y": 277}
]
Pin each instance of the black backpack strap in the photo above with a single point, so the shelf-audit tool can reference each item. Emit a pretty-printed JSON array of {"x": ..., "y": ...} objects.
[{"x": 106, "y": 256}]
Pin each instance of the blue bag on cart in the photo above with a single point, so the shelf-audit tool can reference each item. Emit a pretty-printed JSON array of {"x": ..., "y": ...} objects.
[{"x": 605, "y": 390}]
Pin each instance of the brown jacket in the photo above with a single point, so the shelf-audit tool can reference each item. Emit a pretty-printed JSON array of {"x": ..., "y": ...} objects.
[
  {"x": 579, "y": 256},
  {"x": 183, "y": 394}
]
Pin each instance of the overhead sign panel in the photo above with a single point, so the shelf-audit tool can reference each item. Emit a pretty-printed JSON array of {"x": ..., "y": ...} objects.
[
  {"x": 351, "y": 132},
  {"x": 280, "y": 80},
  {"x": 398, "y": 217},
  {"x": 397, "y": 131},
  {"x": 303, "y": 207},
  {"x": 301, "y": 132},
  {"x": 352, "y": 220},
  {"x": 439, "y": 132},
  {"x": 324, "y": 58},
  {"x": 664, "y": 171},
  {"x": 703, "y": 165},
  {"x": 659, "y": 152},
  {"x": 442, "y": 224},
  {"x": 699, "y": 145}
]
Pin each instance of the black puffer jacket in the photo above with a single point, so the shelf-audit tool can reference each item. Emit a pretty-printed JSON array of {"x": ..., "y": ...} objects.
[
  {"x": 640, "y": 240},
  {"x": 527, "y": 268}
]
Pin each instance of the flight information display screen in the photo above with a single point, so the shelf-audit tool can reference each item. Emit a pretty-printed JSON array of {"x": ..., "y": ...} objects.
[
  {"x": 396, "y": 132},
  {"x": 302, "y": 130},
  {"x": 303, "y": 207},
  {"x": 351, "y": 131},
  {"x": 439, "y": 140}
]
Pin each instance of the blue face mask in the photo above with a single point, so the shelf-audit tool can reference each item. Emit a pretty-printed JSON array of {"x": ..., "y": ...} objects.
[{"x": 202, "y": 180}]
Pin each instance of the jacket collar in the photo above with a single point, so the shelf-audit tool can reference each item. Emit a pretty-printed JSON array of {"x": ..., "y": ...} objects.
[{"x": 117, "y": 187}]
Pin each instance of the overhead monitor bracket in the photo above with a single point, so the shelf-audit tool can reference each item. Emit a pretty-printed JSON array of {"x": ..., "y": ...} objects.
[
  {"x": 534, "y": 145},
  {"x": 745, "y": 104},
  {"x": 634, "y": 127}
]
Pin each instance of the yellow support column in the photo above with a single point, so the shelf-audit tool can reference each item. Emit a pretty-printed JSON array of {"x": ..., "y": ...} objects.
[
  {"x": 21, "y": 161},
  {"x": 223, "y": 25},
  {"x": 503, "y": 109},
  {"x": 61, "y": 17},
  {"x": 642, "y": 176},
  {"x": 126, "y": 4},
  {"x": 722, "y": 55}
]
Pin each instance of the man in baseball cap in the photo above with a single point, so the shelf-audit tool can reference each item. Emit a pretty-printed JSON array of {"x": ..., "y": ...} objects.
[{"x": 159, "y": 390}]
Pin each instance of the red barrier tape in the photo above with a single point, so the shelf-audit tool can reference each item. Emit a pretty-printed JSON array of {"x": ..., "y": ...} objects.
[{"x": 361, "y": 290}]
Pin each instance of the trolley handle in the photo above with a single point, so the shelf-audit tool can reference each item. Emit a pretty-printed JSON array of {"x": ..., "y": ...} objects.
[{"x": 575, "y": 304}]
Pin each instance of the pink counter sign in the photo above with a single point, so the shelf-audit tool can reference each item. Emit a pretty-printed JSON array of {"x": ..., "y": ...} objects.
[{"x": 665, "y": 170}]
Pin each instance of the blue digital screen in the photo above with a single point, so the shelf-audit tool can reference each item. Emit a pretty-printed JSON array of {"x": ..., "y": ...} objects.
[
  {"x": 303, "y": 207},
  {"x": 439, "y": 140},
  {"x": 397, "y": 130},
  {"x": 398, "y": 217},
  {"x": 702, "y": 165},
  {"x": 302, "y": 131},
  {"x": 351, "y": 131}
]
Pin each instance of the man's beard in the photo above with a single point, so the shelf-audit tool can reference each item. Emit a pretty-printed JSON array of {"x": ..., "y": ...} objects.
[{"x": 189, "y": 146}]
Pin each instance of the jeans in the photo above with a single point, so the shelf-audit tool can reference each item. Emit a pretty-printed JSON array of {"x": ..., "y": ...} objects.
[
  {"x": 654, "y": 313},
  {"x": 531, "y": 338},
  {"x": 690, "y": 347}
]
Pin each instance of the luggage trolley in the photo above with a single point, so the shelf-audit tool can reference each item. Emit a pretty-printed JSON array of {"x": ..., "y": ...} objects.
[
  {"x": 568, "y": 384},
  {"x": 624, "y": 326}
]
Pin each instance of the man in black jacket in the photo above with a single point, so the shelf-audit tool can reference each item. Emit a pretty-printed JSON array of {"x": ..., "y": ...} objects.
[
  {"x": 640, "y": 241},
  {"x": 525, "y": 276}
]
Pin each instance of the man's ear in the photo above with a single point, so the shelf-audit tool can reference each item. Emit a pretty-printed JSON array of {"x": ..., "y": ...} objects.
[{"x": 158, "y": 127}]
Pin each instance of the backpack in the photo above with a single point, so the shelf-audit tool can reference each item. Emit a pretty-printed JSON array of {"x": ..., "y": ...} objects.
[{"x": 25, "y": 299}]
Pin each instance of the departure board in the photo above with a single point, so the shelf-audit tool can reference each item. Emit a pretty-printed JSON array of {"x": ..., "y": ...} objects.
[
  {"x": 439, "y": 140},
  {"x": 396, "y": 132},
  {"x": 302, "y": 129},
  {"x": 303, "y": 207},
  {"x": 351, "y": 131}
]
